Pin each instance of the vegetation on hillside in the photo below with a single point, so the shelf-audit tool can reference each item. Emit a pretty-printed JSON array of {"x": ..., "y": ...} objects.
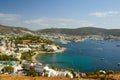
[
  {"x": 7, "y": 58},
  {"x": 32, "y": 39},
  {"x": 16, "y": 30},
  {"x": 27, "y": 55},
  {"x": 78, "y": 31},
  {"x": 8, "y": 69},
  {"x": 83, "y": 31},
  {"x": 32, "y": 73}
]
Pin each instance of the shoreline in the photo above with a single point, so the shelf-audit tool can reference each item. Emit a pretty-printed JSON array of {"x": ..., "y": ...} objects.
[{"x": 43, "y": 52}]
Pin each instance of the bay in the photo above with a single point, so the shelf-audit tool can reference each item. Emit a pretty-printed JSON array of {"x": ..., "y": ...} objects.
[{"x": 87, "y": 56}]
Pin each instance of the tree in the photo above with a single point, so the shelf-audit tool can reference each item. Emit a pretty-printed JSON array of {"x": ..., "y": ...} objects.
[
  {"x": 7, "y": 58},
  {"x": 54, "y": 67},
  {"x": 27, "y": 55},
  {"x": 32, "y": 72},
  {"x": 8, "y": 69}
]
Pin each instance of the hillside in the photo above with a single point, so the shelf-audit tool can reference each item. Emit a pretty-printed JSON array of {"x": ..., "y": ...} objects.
[
  {"x": 78, "y": 31},
  {"x": 82, "y": 31},
  {"x": 16, "y": 30}
]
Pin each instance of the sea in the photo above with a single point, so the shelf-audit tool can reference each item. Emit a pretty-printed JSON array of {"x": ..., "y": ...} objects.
[{"x": 87, "y": 56}]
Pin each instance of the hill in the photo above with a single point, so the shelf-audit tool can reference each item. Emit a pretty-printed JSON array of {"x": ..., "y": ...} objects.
[
  {"x": 15, "y": 30},
  {"x": 82, "y": 31},
  {"x": 78, "y": 31}
]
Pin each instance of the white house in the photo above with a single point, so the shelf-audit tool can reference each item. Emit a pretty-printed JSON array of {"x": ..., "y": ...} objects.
[
  {"x": 1, "y": 67},
  {"x": 22, "y": 45},
  {"x": 101, "y": 71},
  {"x": 24, "y": 49},
  {"x": 17, "y": 68},
  {"x": 49, "y": 47},
  {"x": 2, "y": 49},
  {"x": 53, "y": 73},
  {"x": 35, "y": 46}
]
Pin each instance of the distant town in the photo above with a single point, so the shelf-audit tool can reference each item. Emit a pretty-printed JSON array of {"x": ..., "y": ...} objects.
[{"x": 76, "y": 38}]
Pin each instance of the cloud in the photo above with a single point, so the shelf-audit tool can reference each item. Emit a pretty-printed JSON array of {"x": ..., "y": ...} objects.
[
  {"x": 36, "y": 21},
  {"x": 8, "y": 17},
  {"x": 46, "y": 22},
  {"x": 106, "y": 14},
  {"x": 42, "y": 22}
]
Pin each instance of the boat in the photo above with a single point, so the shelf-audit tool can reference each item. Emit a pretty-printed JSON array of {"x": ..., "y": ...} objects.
[
  {"x": 102, "y": 59},
  {"x": 118, "y": 64},
  {"x": 118, "y": 45}
]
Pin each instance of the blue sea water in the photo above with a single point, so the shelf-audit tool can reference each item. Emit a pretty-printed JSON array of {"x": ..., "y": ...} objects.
[{"x": 87, "y": 56}]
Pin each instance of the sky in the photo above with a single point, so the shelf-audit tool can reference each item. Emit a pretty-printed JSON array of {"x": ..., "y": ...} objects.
[{"x": 41, "y": 14}]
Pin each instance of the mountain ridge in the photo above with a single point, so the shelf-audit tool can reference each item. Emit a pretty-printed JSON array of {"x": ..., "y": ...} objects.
[
  {"x": 77, "y": 31},
  {"x": 82, "y": 31},
  {"x": 16, "y": 30}
]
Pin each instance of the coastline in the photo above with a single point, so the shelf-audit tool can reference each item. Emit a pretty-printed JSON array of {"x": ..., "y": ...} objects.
[{"x": 44, "y": 52}]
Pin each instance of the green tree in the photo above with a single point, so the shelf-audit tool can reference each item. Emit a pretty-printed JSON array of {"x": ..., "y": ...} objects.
[
  {"x": 7, "y": 58},
  {"x": 27, "y": 55},
  {"x": 8, "y": 69},
  {"x": 32, "y": 72}
]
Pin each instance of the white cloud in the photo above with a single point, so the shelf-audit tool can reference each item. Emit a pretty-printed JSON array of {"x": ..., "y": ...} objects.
[
  {"x": 46, "y": 22},
  {"x": 36, "y": 21},
  {"x": 106, "y": 14},
  {"x": 43, "y": 22},
  {"x": 8, "y": 17}
]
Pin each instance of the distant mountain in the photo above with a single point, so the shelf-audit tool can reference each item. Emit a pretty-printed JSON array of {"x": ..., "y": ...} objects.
[
  {"x": 82, "y": 31},
  {"x": 13, "y": 30},
  {"x": 78, "y": 31}
]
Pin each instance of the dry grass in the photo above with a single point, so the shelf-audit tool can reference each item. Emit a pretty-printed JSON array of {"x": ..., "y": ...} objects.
[{"x": 14, "y": 77}]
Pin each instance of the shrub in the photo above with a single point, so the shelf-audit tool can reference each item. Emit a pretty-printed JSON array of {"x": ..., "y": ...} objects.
[
  {"x": 8, "y": 69},
  {"x": 32, "y": 72}
]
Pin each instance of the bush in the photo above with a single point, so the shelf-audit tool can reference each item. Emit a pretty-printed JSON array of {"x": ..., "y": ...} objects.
[
  {"x": 8, "y": 69},
  {"x": 7, "y": 58},
  {"x": 27, "y": 55},
  {"x": 32, "y": 72}
]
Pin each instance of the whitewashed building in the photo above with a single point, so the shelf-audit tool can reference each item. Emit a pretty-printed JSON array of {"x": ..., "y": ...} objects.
[
  {"x": 53, "y": 73},
  {"x": 49, "y": 47},
  {"x": 24, "y": 49}
]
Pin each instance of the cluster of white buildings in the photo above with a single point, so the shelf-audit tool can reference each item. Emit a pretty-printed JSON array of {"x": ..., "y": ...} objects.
[
  {"x": 45, "y": 70},
  {"x": 53, "y": 73},
  {"x": 51, "y": 47},
  {"x": 16, "y": 67},
  {"x": 10, "y": 48},
  {"x": 36, "y": 47}
]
